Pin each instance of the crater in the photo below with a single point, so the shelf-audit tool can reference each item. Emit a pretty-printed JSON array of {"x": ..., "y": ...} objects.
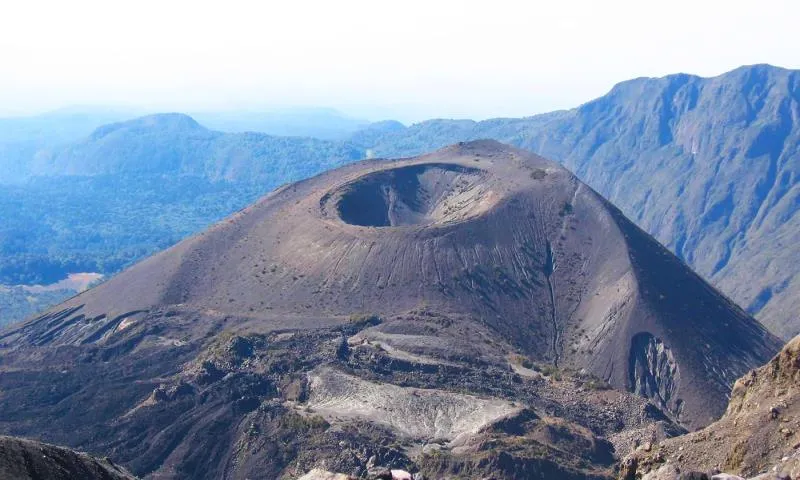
[{"x": 414, "y": 195}]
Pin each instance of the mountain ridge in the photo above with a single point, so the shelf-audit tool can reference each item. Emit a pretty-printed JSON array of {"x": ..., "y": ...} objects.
[
  {"x": 720, "y": 163},
  {"x": 176, "y": 144},
  {"x": 709, "y": 165},
  {"x": 298, "y": 318}
]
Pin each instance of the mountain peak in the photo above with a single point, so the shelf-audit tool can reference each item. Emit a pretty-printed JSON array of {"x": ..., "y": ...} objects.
[
  {"x": 759, "y": 67},
  {"x": 743, "y": 73},
  {"x": 172, "y": 119},
  {"x": 162, "y": 122},
  {"x": 451, "y": 298}
]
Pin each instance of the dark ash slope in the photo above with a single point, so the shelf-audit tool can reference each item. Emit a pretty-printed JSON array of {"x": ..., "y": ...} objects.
[
  {"x": 472, "y": 256},
  {"x": 22, "y": 459}
]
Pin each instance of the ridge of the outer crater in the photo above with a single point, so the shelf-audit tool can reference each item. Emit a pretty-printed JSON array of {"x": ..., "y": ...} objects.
[{"x": 407, "y": 195}]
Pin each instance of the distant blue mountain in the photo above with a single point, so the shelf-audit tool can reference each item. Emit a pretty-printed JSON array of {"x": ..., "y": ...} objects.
[
  {"x": 35, "y": 145},
  {"x": 130, "y": 188},
  {"x": 324, "y": 123},
  {"x": 22, "y": 139},
  {"x": 175, "y": 144}
]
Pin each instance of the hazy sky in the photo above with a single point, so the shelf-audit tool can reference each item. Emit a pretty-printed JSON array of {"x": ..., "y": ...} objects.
[{"x": 408, "y": 59}]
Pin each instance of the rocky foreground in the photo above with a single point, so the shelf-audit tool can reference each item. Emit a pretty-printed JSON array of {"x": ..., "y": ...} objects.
[
  {"x": 28, "y": 460},
  {"x": 757, "y": 438}
]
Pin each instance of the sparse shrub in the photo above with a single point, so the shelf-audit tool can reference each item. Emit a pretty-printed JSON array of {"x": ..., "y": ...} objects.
[
  {"x": 550, "y": 371},
  {"x": 526, "y": 363},
  {"x": 736, "y": 457},
  {"x": 362, "y": 320},
  {"x": 522, "y": 360},
  {"x": 295, "y": 422},
  {"x": 538, "y": 174},
  {"x": 596, "y": 384}
]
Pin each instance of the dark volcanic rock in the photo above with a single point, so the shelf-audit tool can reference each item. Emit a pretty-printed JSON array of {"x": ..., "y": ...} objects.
[
  {"x": 22, "y": 459},
  {"x": 388, "y": 309}
]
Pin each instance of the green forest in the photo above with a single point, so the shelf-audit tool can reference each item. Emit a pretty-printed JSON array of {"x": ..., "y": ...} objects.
[{"x": 102, "y": 224}]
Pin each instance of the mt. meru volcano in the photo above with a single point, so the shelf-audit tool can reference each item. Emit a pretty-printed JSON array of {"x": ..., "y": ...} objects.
[{"x": 461, "y": 312}]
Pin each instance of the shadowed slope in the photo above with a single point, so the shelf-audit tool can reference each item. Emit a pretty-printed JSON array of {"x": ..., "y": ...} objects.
[
  {"x": 22, "y": 459},
  {"x": 708, "y": 166}
]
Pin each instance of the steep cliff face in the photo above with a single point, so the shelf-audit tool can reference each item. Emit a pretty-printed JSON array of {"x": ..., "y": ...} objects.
[
  {"x": 654, "y": 372},
  {"x": 723, "y": 157},
  {"x": 438, "y": 282}
]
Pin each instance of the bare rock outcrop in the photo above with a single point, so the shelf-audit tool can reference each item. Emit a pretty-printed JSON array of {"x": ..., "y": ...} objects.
[{"x": 757, "y": 437}]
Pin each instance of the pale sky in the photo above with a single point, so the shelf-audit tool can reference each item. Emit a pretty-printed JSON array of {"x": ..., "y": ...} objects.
[{"x": 406, "y": 59}]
